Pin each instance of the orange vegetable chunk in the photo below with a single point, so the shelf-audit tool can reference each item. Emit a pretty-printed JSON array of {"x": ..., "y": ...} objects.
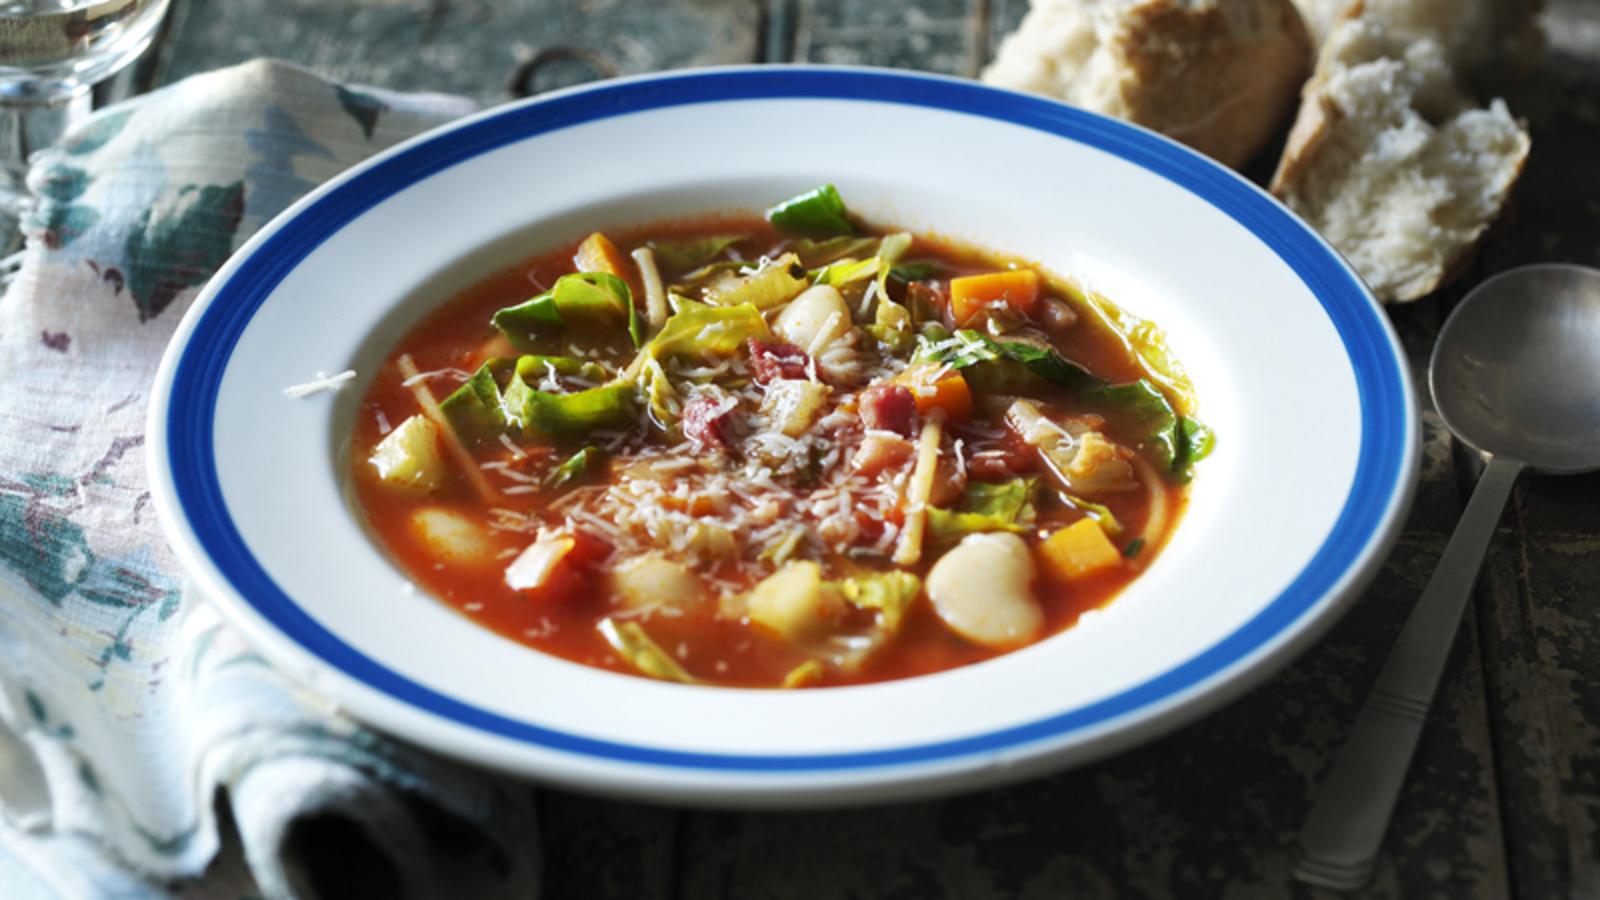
[
  {"x": 970, "y": 295},
  {"x": 933, "y": 387},
  {"x": 1078, "y": 550}
]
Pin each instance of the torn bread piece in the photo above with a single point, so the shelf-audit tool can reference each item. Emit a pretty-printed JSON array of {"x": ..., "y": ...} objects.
[
  {"x": 1391, "y": 161},
  {"x": 1218, "y": 75},
  {"x": 1473, "y": 33}
]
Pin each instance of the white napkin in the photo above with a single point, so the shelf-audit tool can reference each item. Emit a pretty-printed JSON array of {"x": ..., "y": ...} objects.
[{"x": 126, "y": 707}]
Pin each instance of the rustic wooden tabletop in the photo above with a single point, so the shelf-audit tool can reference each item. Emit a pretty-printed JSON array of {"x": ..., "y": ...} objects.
[{"x": 1504, "y": 797}]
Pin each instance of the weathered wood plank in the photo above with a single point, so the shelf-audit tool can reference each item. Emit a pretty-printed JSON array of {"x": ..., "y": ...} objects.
[
  {"x": 931, "y": 35},
  {"x": 605, "y": 848},
  {"x": 472, "y": 47}
]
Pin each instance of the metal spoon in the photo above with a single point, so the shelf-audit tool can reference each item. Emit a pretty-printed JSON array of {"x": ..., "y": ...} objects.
[{"x": 1516, "y": 376}]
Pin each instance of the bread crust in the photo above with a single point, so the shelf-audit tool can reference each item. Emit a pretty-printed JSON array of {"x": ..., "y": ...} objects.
[
  {"x": 1321, "y": 119},
  {"x": 1218, "y": 75},
  {"x": 1221, "y": 83}
]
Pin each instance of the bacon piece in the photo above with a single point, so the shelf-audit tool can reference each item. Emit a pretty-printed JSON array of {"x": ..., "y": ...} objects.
[
  {"x": 1010, "y": 457},
  {"x": 879, "y": 452},
  {"x": 889, "y": 407},
  {"x": 706, "y": 419},
  {"x": 774, "y": 360}
]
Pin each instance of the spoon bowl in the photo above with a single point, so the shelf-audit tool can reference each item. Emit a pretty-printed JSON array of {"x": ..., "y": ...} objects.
[{"x": 1515, "y": 370}]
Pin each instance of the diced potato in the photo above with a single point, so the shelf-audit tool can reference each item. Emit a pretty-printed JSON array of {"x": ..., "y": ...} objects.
[
  {"x": 794, "y": 603},
  {"x": 1077, "y": 550},
  {"x": 598, "y": 254},
  {"x": 815, "y": 319},
  {"x": 452, "y": 537},
  {"x": 792, "y": 404},
  {"x": 650, "y": 580},
  {"x": 532, "y": 569},
  {"x": 408, "y": 457},
  {"x": 983, "y": 590}
]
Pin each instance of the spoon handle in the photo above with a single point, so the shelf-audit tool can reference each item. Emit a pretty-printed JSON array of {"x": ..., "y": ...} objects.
[{"x": 1341, "y": 837}]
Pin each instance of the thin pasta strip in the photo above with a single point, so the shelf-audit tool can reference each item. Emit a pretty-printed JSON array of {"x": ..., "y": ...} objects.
[
  {"x": 452, "y": 443},
  {"x": 909, "y": 550}
]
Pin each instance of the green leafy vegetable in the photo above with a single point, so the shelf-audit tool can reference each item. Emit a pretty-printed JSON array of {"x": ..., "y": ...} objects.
[
  {"x": 986, "y": 506},
  {"x": 998, "y": 361},
  {"x": 845, "y": 271},
  {"x": 1142, "y": 405},
  {"x": 707, "y": 333},
  {"x": 1195, "y": 440},
  {"x": 576, "y": 468},
  {"x": 1101, "y": 514},
  {"x": 681, "y": 256},
  {"x": 574, "y": 413},
  {"x": 818, "y": 212},
  {"x": 913, "y": 271},
  {"x": 774, "y": 284},
  {"x": 533, "y": 367},
  {"x": 814, "y": 254},
  {"x": 474, "y": 409},
  {"x": 638, "y": 648},
  {"x": 890, "y": 594},
  {"x": 595, "y": 298},
  {"x": 1133, "y": 548}
]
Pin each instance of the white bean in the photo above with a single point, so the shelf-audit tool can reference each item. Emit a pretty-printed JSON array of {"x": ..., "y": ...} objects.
[
  {"x": 815, "y": 319},
  {"x": 983, "y": 591}
]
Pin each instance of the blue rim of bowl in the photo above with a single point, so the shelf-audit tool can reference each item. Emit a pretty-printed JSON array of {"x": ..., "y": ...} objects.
[{"x": 1381, "y": 385}]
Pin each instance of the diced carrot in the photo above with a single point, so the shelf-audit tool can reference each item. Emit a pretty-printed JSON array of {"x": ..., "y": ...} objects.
[
  {"x": 1077, "y": 550},
  {"x": 937, "y": 388},
  {"x": 970, "y": 295}
]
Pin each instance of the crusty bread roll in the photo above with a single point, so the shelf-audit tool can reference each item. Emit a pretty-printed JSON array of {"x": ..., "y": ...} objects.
[
  {"x": 1388, "y": 158},
  {"x": 1473, "y": 33},
  {"x": 1219, "y": 75}
]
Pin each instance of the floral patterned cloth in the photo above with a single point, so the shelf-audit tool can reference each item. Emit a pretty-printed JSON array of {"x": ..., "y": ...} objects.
[{"x": 125, "y": 705}]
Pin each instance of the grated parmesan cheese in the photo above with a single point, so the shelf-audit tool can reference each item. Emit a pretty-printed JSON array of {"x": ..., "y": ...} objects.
[{"x": 323, "y": 382}]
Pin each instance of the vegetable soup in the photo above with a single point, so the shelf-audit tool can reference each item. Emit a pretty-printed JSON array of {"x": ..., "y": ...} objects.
[{"x": 784, "y": 451}]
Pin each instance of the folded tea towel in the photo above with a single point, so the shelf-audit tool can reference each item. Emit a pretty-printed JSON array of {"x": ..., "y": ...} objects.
[{"x": 130, "y": 716}]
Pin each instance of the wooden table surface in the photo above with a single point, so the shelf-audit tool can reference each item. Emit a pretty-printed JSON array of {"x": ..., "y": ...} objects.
[{"x": 1504, "y": 798}]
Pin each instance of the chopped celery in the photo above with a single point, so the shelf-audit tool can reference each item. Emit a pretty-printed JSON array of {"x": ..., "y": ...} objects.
[
  {"x": 474, "y": 409},
  {"x": 576, "y": 468},
  {"x": 818, "y": 212},
  {"x": 775, "y": 283},
  {"x": 595, "y": 298},
  {"x": 889, "y": 594},
  {"x": 698, "y": 331},
  {"x": 573, "y": 413},
  {"x": 409, "y": 456},
  {"x": 637, "y": 647}
]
